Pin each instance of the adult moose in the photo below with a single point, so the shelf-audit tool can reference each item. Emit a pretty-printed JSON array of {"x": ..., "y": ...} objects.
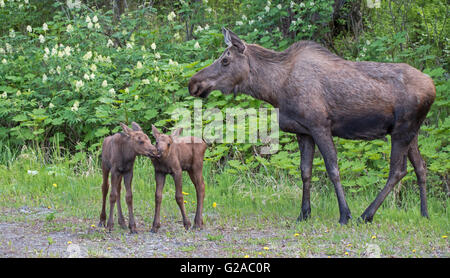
[{"x": 320, "y": 95}]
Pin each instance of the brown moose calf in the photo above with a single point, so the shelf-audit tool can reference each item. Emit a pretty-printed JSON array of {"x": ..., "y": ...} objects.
[
  {"x": 177, "y": 154},
  {"x": 118, "y": 154}
]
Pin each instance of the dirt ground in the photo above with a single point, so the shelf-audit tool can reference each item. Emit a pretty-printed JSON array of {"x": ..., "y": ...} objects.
[{"x": 33, "y": 233}]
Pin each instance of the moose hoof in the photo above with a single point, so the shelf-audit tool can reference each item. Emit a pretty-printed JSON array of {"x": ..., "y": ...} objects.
[
  {"x": 101, "y": 223},
  {"x": 365, "y": 218},
  {"x": 344, "y": 219},
  {"x": 303, "y": 216}
]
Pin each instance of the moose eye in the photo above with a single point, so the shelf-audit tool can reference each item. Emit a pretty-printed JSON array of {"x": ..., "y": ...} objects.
[
  {"x": 141, "y": 142},
  {"x": 225, "y": 61}
]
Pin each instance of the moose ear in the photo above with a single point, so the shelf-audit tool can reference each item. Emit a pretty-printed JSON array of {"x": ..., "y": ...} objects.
[
  {"x": 136, "y": 127},
  {"x": 226, "y": 36},
  {"x": 126, "y": 129},
  {"x": 155, "y": 132},
  {"x": 236, "y": 41},
  {"x": 177, "y": 132}
]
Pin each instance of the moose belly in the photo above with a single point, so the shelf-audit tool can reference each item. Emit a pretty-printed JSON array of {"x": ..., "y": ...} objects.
[{"x": 365, "y": 127}]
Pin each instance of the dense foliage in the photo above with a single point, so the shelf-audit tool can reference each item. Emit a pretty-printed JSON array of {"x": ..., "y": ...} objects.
[{"x": 70, "y": 71}]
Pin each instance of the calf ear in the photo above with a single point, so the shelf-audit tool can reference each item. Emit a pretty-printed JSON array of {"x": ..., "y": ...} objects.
[
  {"x": 126, "y": 129},
  {"x": 136, "y": 127},
  {"x": 177, "y": 132},
  {"x": 155, "y": 132}
]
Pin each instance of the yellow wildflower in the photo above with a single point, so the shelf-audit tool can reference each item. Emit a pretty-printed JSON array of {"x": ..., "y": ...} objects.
[{"x": 214, "y": 205}]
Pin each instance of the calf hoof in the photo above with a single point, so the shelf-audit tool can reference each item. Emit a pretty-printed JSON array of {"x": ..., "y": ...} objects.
[
  {"x": 123, "y": 225},
  {"x": 197, "y": 227},
  {"x": 187, "y": 225},
  {"x": 133, "y": 231},
  {"x": 154, "y": 229},
  {"x": 102, "y": 223}
]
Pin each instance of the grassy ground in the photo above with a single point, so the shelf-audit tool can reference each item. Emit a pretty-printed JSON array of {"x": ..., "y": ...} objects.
[{"x": 43, "y": 212}]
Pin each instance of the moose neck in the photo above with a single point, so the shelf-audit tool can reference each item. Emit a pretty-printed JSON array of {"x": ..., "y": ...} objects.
[{"x": 267, "y": 73}]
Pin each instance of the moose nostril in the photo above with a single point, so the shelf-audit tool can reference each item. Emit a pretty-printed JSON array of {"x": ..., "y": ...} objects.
[{"x": 193, "y": 87}]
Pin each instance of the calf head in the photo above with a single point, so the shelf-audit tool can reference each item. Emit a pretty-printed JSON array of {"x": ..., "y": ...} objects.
[
  {"x": 164, "y": 142},
  {"x": 138, "y": 140}
]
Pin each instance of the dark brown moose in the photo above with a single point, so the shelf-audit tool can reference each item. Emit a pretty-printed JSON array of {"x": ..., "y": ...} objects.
[
  {"x": 320, "y": 95},
  {"x": 118, "y": 154},
  {"x": 174, "y": 155}
]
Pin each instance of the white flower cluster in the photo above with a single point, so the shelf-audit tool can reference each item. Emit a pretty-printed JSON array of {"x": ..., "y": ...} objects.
[
  {"x": 75, "y": 106},
  {"x": 73, "y": 4},
  {"x": 171, "y": 16},
  {"x": 92, "y": 22}
]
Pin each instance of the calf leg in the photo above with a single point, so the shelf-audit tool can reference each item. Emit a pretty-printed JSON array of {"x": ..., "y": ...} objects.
[
  {"x": 396, "y": 172},
  {"x": 197, "y": 179},
  {"x": 120, "y": 218},
  {"x": 105, "y": 187},
  {"x": 306, "y": 144},
  {"x": 421, "y": 173},
  {"x": 115, "y": 183},
  {"x": 325, "y": 143},
  {"x": 177, "y": 177},
  {"x": 127, "y": 178},
  {"x": 160, "y": 180}
]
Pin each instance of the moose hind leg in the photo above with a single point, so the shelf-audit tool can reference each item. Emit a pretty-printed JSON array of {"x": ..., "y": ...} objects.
[
  {"x": 421, "y": 173},
  {"x": 396, "y": 172},
  {"x": 306, "y": 145}
]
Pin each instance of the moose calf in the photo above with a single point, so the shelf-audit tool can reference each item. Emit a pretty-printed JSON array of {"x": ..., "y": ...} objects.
[
  {"x": 174, "y": 155},
  {"x": 118, "y": 154}
]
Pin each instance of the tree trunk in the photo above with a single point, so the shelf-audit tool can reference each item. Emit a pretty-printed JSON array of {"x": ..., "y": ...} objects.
[{"x": 119, "y": 7}]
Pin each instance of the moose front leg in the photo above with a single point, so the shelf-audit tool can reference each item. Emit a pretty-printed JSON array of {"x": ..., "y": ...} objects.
[
  {"x": 322, "y": 137},
  {"x": 177, "y": 178},
  {"x": 306, "y": 145}
]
